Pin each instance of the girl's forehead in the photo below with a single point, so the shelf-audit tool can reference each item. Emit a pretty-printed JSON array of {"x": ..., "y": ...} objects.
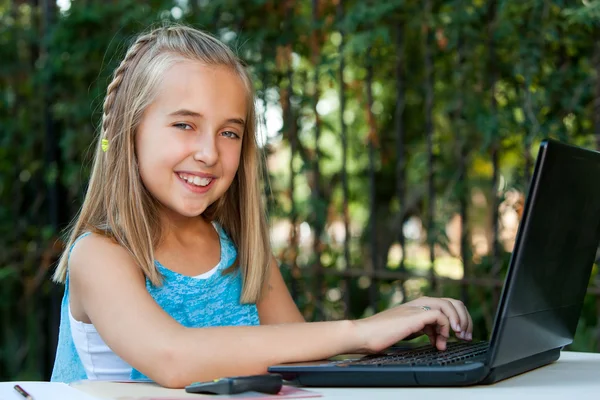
[{"x": 201, "y": 88}]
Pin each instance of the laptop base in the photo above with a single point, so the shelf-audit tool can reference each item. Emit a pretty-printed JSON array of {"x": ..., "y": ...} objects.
[
  {"x": 332, "y": 376},
  {"x": 473, "y": 373},
  {"x": 520, "y": 366}
]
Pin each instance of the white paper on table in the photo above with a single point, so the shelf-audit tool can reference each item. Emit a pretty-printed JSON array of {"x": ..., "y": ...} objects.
[{"x": 42, "y": 391}]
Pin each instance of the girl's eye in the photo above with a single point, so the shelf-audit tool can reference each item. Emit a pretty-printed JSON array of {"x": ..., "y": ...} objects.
[
  {"x": 230, "y": 134},
  {"x": 183, "y": 126}
]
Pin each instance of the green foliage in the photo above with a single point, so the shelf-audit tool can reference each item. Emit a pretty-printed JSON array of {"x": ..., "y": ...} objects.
[{"x": 505, "y": 74}]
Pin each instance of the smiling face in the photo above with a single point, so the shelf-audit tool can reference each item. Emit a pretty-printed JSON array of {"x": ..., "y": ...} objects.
[{"x": 189, "y": 141}]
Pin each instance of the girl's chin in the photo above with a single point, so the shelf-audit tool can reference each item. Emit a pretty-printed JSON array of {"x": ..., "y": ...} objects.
[
  {"x": 192, "y": 213},
  {"x": 184, "y": 212}
]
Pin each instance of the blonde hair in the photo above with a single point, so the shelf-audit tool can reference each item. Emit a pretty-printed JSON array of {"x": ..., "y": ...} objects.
[{"x": 118, "y": 205}]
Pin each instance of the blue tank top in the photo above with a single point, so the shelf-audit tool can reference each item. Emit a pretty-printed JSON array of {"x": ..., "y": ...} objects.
[{"x": 194, "y": 303}]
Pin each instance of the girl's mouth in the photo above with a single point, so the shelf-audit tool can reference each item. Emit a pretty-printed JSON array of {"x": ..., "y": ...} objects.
[{"x": 196, "y": 183}]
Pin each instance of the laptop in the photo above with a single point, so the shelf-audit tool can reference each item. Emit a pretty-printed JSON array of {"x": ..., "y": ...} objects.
[{"x": 541, "y": 300}]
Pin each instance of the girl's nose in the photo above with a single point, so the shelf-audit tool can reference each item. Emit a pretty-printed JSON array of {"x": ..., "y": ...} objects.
[{"x": 206, "y": 150}]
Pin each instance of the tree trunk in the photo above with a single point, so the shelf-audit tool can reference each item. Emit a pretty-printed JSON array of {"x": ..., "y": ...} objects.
[
  {"x": 345, "y": 191},
  {"x": 263, "y": 122},
  {"x": 400, "y": 151},
  {"x": 463, "y": 188},
  {"x": 318, "y": 216},
  {"x": 430, "y": 137},
  {"x": 495, "y": 149},
  {"x": 57, "y": 204},
  {"x": 371, "y": 141},
  {"x": 529, "y": 107},
  {"x": 285, "y": 57}
]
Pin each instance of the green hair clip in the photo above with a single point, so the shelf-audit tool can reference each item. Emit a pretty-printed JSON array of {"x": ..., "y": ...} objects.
[{"x": 104, "y": 145}]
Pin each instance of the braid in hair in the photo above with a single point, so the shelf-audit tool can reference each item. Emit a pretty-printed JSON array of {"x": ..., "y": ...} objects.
[{"x": 114, "y": 85}]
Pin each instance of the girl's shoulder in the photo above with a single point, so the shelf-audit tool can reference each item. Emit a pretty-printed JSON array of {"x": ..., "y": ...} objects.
[
  {"x": 92, "y": 250},
  {"x": 93, "y": 242}
]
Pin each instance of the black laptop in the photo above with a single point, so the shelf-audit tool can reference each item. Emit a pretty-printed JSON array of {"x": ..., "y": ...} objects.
[{"x": 541, "y": 300}]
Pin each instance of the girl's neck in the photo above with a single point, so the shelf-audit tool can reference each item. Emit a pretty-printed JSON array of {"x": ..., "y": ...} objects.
[
  {"x": 189, "y": 246},
  {"x": 181, "y": 229}
]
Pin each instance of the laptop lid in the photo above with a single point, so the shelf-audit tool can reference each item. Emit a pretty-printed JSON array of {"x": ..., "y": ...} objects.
[{"x": 554, "y": 252}]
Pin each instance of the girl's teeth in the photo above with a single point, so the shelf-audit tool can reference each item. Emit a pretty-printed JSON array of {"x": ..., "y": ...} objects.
[
  {"x": 196, "y": 180},
  {"x": 201, "y": 181}
]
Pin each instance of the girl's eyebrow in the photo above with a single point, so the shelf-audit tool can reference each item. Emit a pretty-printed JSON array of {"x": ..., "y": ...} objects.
[
  {"x": 188, "y": 113},
  {"x": 185, "y": 113}
]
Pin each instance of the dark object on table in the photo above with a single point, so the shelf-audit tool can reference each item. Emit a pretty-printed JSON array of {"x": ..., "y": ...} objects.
[{"x": 268, "y": 383}]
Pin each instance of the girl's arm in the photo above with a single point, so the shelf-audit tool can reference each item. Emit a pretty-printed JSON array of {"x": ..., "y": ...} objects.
[
  {"x": 110, "y": 289},
  {"x": 276, "y": 305}
]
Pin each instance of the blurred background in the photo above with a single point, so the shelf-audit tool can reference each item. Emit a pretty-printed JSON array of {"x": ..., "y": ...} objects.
[{"x": 400, "y": 137}]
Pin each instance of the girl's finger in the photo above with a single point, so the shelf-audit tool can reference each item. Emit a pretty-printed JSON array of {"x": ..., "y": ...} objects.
[
  {"x": 440, "y": 321},
  {"x": 440, "y": 341},
  {"x": 447, "y": 307},
  {"x": 464, "y": 317},
  {"x": 470, "y": 327},
  {"x": 430, "y": 332}
]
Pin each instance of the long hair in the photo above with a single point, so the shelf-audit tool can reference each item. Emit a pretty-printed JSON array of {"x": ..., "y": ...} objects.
[{"x": 118, "y": 205}]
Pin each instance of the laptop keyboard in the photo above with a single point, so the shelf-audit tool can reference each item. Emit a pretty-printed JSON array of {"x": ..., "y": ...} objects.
[{"x": 424, "y": 356}]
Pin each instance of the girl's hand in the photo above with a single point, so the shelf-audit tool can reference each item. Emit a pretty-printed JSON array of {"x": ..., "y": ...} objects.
[
  {"x": 460, "y": 319},
  {"x": 431, "y": 316}
]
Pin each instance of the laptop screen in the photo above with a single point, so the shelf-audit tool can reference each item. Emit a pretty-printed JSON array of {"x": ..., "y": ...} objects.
[{"x": 554, "y": 252}]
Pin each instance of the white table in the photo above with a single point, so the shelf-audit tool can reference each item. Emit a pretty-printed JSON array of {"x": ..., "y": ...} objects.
[{"x": 573, "y": 376}]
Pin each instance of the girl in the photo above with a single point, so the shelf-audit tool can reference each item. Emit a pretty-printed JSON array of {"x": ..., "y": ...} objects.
[{"x": 168, "y": 272}]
